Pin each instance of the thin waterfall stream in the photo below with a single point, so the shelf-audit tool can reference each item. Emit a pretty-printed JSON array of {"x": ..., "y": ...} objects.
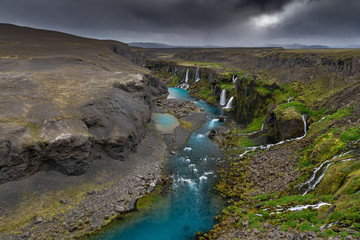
[{"x": 191, "y": 205}]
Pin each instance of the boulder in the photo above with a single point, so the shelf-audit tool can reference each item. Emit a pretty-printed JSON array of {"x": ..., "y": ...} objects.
[
  {"x": 283, "y": 124},
  {"x": 212, "y": 134}
]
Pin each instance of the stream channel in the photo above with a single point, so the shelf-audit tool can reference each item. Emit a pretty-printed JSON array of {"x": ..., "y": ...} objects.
[{"x": 191, "y": 205}]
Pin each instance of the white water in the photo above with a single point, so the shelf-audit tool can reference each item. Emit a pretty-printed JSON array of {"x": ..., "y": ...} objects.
[
  {"x": 314, "y": 180},
  {"x": 279, "y": 209},
  {"x": 234, "y": 78},
  {"x": 329, "y": 225},
  {"x": 197, "y": 75},
  {"x": 183, "y": 86},
  {"x": 249, "y": 149},
  {"x": 289, "y": 99},
  {"x": 212, "y": 122},
  {"x": 302, "y": 207},
  {"x": 229, "y": 104},
  {"x": 187, "y": 76},
  {"x": 223, "y": 97}
]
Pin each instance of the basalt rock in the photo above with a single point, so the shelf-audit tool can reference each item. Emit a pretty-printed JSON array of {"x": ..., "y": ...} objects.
[
  {"x": 284, "y": 124},
  {"x": 65, "y": 98},
  {"x": 251, "y": 100}
]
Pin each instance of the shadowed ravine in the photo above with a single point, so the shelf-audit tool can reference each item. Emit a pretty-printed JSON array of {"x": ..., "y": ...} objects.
[{"x": 190, "y": 206}]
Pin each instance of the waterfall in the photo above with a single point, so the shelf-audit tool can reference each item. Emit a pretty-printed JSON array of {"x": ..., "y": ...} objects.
[
  {"x": 223, "y": 97},
  {"x": 187, "y": 76},
  {"x": 281, "y": 142},
  {"x": 316, "y": 177},
  {"x": 229, "y": 104},
  {"x": 305, "y": 127},
  {"x": 197, "y": 75},
  {"x": 234, "y": 78}
]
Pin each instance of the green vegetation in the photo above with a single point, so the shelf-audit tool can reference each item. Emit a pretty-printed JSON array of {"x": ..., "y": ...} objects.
[
  {"x": 330, "y": 133},
  {"x": 202, "y": 64},
  {"x": 302, "y": 109},
  {"x": 329, "y": 139},
  {"x": 174, "y": 81},
  {"x": 255, "y": 124},
  {"x": 263, "y": 91},
  {"x": 185, "y": 124},
  {"x": 350, "y": 134},
  {"x": 149, "y": 200}
]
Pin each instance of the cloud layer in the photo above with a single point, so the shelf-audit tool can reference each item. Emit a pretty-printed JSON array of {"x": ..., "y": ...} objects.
[{"x": 194, "y": 22}]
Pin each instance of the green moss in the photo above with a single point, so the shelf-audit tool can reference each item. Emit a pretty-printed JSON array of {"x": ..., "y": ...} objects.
[
  {"x": 333, "y": 178},
  {"x": 263, "y": 91},
  {"x": 329, "y": 233},
  {"x": 255, "y": 124},
  {"x": 301, "y": 108},
  {"x": 244, "y": 141},
  {"x": 149, "y": 200},
  {"x": 352, "y": 184},
  {"x": 350, "y": 134},
  {"x": 174, "y": 81},
  {"x": 185, "y": 124},
  {"x": 230, "y": 87},
  {"x": 214, "y": 65}
]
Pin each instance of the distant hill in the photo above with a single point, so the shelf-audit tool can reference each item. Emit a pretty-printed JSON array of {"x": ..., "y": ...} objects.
[
  {"x": 163, "y": 45},
  {"x": 298, "y": 46},
  {"x": 150, "y": 45}
]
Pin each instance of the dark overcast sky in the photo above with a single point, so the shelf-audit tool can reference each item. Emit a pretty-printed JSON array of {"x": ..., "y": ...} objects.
[{"x": 195, "y": 22}]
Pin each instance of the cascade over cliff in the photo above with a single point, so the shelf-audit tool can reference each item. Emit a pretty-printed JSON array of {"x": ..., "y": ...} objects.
[
  {"x": 292, "y": 139},
  {"x": 264, "y": 77}
]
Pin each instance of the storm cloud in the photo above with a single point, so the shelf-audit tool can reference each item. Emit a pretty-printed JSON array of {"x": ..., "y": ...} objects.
[{"x": 194, "y": 22}]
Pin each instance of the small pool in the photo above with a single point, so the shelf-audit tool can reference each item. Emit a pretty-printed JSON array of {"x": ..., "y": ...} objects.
[
  {"x": 178, "y": 93},
  {"x": 191, "y": 205},
  {"x": 165, "y": 123}
]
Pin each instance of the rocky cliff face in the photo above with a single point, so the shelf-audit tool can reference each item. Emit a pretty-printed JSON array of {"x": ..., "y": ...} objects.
[
  {"x": 252, "y": 100},
  {"x": 285, "y": 124},
  {"x": 346, "y": 65},
  {"x": 174, "y": 69},
  {"x": 65, "y": 137},
  {"x": 60, "y": 104}
]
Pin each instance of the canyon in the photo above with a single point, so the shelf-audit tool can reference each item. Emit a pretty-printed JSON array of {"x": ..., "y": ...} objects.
[{"x": 81, "y": 141}]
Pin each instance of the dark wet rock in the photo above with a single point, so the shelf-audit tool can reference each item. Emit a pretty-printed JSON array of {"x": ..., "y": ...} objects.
[
  {"x": 250, "y": 100},
  {"x": 212, "y": 134},
  {"x": 180, "y": 135},
  {"x": 221, "y": 118}
]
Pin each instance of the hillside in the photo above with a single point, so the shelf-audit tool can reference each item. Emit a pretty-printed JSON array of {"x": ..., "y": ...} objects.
[
  {"x": 293, "y": 139},
  {"x": 72, "y": 110}
]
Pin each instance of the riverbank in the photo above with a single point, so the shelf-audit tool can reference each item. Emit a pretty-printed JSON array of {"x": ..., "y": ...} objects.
[
  {"x": 71, "y": 207},
  {"x": 52, "y": 206},
  {"x": 293, "y": 142},
  {"x": 190, "y": 205}
]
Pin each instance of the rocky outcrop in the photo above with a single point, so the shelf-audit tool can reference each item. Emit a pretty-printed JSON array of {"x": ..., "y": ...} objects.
[
  {"x": 60, "y": 104},
  {"x": 338, "y": 64},
  {"x": 171, "y": 68},
  {"x": 115, "y": 121},
  {"x": 284, "y": 124},
  {"x": 252, "y": 100}
]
